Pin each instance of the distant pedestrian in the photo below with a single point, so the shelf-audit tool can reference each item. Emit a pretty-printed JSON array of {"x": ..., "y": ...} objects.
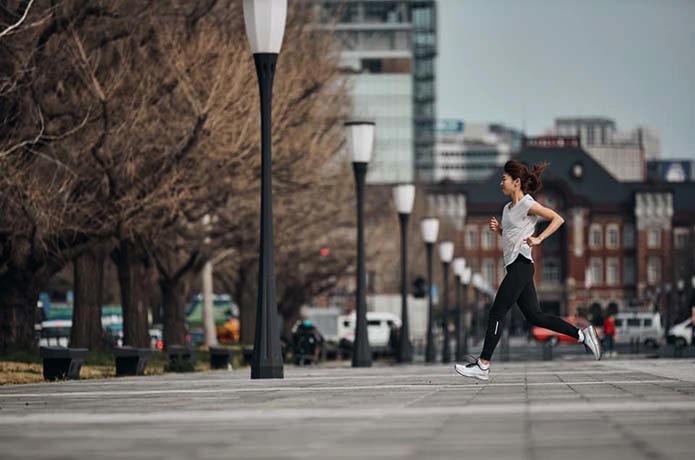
[
  {"x": 519, "y": 219},
  {"x": 609, "y": 334}
]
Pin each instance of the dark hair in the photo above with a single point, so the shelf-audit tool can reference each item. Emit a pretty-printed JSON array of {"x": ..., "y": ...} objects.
[{"x": 530, "y": 179}]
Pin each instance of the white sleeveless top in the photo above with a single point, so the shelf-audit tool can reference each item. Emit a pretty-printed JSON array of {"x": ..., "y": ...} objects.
[{"x": 517, "y": 225}]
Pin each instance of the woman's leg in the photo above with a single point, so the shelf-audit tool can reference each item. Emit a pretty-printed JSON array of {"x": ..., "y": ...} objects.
[
  {"x": 528, "y": 304},
  {"x": 518, "y": 276}
]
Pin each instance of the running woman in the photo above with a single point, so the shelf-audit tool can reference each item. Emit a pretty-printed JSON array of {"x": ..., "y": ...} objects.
[{"x": 519, "y": 219}]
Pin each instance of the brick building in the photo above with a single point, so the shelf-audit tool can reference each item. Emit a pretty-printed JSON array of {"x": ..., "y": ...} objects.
[{"x": 621, "y": 242}]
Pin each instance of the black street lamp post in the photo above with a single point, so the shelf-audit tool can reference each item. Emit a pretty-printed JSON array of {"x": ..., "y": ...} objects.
[
  {"x": 404, "y": 196},
  {"x": 459, "y": 265},
  {"x": 430, "y": 229},
  {"x": 360, "y": 140},
  {"x": 669, "y": 301},
  {"x": 465, "y": 280},
  {"x": 680, "y": 304},
  {"x": 265, "y": 27},
  {"x": 477, "y": 281},
  {"x": 446, "y": 255}
]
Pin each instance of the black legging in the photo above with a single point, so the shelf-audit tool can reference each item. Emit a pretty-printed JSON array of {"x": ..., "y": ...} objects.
[{"x": 517, "y": 286}]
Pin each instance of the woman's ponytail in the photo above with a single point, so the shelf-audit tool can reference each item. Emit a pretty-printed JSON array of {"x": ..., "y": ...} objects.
[{"x": 534, "y": 182}]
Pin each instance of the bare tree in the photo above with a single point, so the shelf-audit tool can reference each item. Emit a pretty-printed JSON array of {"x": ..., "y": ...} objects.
[
  {"x": 44, "y": 199},
  {"x": 125, "y": 122}
]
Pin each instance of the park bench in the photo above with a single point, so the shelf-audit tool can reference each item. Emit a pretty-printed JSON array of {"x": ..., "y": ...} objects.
[
  {"x": 131, "y": 360},
  {"x": 61, "y": 363},
  {"x": 181, "y": 359},
  {"x": 220, "y": 357}
]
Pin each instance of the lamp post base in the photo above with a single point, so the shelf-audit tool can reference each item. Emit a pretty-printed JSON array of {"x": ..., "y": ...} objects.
[{"x": 267, "y": 372}]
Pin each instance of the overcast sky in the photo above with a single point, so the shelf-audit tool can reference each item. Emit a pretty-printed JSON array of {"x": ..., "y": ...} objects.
[{"x": 525, "y": 62}]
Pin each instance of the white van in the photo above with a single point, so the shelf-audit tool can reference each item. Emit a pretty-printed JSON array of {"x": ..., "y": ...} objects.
[
  {"x": 643, "y": 327},
  {"x": 326, "y": 321},
  {"x": 681, "y": 334},
  {"x": 379, "y": 325}
]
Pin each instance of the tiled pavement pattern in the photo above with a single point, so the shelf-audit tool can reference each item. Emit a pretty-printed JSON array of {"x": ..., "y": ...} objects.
[{"x": 551, "y": 410}]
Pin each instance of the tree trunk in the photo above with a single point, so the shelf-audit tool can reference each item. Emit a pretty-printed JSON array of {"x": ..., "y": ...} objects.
[
  {"x": 208, "y": 309},
  {"x": 132, "y": 273},
  {"x": 173, "y": 318},
  {"x": 86, "y": 331},
  {"x": 247, "y": 310},
  {"x": 19, "y": 293}
]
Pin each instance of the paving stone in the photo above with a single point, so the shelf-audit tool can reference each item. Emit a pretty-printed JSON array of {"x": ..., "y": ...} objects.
[{"x": 561, "y": 409}]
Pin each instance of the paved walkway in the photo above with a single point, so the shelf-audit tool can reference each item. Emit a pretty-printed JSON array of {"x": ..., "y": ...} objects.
[{"x": 554, "y": 410}]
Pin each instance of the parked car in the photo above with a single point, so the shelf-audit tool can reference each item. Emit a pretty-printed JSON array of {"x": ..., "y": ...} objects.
[
  {"x": 55, "y": 332},
  {"x": 379, "y": 327},
  {"x": 542, "y": 334},
  {"x": 327, "y": 321},
  {"x": 156, "y": 337},
  {"x": 681, "y": 334},
  {"x": 642, "y": 327},
  {"x": 225, "y": 316},
  {"x": 113, "y": 334}
]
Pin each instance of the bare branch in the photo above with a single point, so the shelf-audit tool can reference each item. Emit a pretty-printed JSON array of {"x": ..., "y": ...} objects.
[
  {"x": 27, "y": 142},
  {"x": 19, "y": 22}
]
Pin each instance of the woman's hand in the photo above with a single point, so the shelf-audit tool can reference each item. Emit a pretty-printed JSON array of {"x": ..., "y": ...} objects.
[
  {"x": 533, "y": 241},
  {"x": 495, "y": 226}
]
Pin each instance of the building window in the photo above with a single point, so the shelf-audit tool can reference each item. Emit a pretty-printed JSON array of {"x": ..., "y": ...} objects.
[
  {"x": 595, "y": 236},
  {"x": 472, "y": 237},
  {"x": 612, "y": 272},
  {"x": 654, "y": 238},
  {"x": 680, "y": 238},
  {"x": 612, "y": 233},
  {"x": 653, "y": 270},
  {"x": 629, "y": 236},
  {"x": 596, "y": 271},
  {"x": 489, "y": 271},
  {"x": 629, "y": 270},
  {"x": 590, "y": 136},
  {"x": 551, "y": 270},
  {"x": 488, "y": 240}
]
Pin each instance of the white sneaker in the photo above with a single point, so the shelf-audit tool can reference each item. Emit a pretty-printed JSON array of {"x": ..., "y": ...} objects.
[
  {"x": 591, "y": 342},
  {"x": 473, "y": 370}
]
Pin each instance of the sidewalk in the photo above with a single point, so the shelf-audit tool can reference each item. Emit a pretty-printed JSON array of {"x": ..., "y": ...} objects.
[{"x": 559, "y": 410}]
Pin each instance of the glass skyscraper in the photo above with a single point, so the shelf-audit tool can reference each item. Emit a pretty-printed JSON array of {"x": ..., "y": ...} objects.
[{"x": 388, "y": 51}]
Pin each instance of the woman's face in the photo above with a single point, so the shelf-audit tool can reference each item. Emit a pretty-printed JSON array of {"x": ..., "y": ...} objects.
[{"x": 509, "y": 185}]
